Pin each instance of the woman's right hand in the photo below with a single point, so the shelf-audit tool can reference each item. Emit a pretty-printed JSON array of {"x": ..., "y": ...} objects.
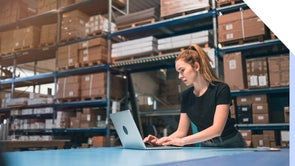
[{"x": 151, "y": 139}]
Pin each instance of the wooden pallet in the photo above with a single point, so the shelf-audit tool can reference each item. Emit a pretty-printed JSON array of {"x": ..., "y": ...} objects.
[
  {"x": 70, "y": 39},
  {"x": 227, "y": 3},
  {"x": 76, "y": 65},
  {"x": 46, "y": 44},
  {"x": 97, "y": 32},
  {"x": 135, "y": 24},
  {"x": 132, "y": 57},
  {"x": 184, "y": 13},
  {"x": 97, "y": 97},
  {"x": 243, "y": 41},
  {"x": 92, "y": 63},
  {"x": 24, "y": 48},
  {"x": 69, "y": 99}
]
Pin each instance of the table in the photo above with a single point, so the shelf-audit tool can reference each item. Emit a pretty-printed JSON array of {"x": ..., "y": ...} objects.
[
  {"x": 110, "y": 156},
  {"x": 8, "y": 145}
]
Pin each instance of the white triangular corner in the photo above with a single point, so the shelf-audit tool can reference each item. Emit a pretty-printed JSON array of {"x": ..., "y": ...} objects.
[{"x": 278, "y": 16}]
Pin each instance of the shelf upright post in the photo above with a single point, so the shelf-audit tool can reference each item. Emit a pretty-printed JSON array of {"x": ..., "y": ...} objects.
[
  {"x": 13, "y": 76},
  {"x": 215, "y": 39}
]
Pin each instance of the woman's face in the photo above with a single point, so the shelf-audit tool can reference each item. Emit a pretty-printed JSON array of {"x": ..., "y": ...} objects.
[{"x": 186, "y": 73}]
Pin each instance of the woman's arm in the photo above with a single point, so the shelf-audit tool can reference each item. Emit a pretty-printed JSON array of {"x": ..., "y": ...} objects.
[{"x": 179, "y": 137}]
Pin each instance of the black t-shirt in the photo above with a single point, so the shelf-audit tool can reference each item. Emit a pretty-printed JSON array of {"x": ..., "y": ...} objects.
[{"x": 201, "y": 109}]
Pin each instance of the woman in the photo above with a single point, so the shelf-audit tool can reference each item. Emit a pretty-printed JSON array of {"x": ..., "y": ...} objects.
[{"x": 206, "y": 104}]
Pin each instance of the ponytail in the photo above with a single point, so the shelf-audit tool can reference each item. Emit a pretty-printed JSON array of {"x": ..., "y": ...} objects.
[{"x": 195, "y": 53}]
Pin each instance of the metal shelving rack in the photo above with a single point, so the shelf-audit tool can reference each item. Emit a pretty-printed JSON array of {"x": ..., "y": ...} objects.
[
  {"x": 91, "y": 7},
  {"x": 167, "y": 60}
]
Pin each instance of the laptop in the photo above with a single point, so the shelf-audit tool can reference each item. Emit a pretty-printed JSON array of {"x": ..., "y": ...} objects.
[{"x": 128, "y": 132}]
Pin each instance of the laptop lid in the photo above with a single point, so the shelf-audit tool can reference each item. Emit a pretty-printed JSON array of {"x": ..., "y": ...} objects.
[{"x": 127, "y": 130}]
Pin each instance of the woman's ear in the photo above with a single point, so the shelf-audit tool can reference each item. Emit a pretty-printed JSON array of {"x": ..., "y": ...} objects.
[{"x": 197, "y": 66}]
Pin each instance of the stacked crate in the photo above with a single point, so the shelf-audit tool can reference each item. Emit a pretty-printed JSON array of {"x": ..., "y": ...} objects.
[
  {"x": 139, "y": 47},
  {"x": 234, "y": 71},
  {"x": 95, "y": 86},
  {"x": 69, "y": 87},
  {"x": 93, "y": 52},
  {"x": 26, "y": 38},
  {"x": 48, "y": 34},
  {"x": 239, "y": 27},
  {"x": 11, "y": 11},
  {"x": 46, "y": 5},
  {"x": 73, "y": 25},
  {"x": 98, "y": 24},
  {"x": 257, "y": 73},
  {"x": 176, "y": 7},
  {"x": 67, "y": 56},
  {"x": 181, "y": 41},
  {"x": 278, "y": 71}
]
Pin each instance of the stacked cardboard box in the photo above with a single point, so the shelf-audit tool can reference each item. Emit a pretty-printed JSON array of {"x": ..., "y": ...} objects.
[
  {"x": 46, "y": 5},
  {"x": 86, "y": 119},
  {"x": 238, "y": 26},
  {"x": 25, "y": 38},
  {"x": 48, "y": 34},
  {"x": 7, "y": 42},
  {"x": 93, "y": 51},
  {"x": 69, "y": 87},
  {"x": 138, "y": 47},
  {"x": 260, "y": 109},
  {"x": 171, "y": 7},
  {"x": 63, "y": 119},
  {"x": 11, "y": 11},
  {"x": 244, "y": 110},
  {"x": 287, "y": 114},
  {"x": 94, "y": 86},
  {"x": 180, "y": 41},
  {"x": 98, "y": 24},
  {"x": 257, "y": 73},
  {"x": 278, "y": 71},
  {"x": 234, "y": 71},
  {"x": 262, "y": 138},
  {"x": 73, "y": 25},
  {"x": 67, "y": 56}
]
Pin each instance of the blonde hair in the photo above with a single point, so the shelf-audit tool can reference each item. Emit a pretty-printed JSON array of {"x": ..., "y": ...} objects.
[{"x": 195, "y": 53}]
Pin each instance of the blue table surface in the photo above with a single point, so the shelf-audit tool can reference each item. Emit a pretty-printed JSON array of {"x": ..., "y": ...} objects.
[{"x": 118, "y": 156}]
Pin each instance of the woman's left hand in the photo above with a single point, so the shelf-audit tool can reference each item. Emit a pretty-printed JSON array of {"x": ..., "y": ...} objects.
[{"x": 171, "y": 141}]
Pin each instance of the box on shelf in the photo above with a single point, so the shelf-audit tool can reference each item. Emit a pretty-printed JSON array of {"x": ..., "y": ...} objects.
[
  {"x": 287, "y": 114},
  {"x": 178, "y": 7},
  {"x": 28, "y": 37},
  {"x": 257, "y": 73},
  {"x": 278, "y": 71},
  {"x": 260, "y": 141},
  {"x": 260, "y": 118},
  {"x": 146, "y": 46},
  {"x": 240, "y": 26},
  {"x": 95, "y": 86},
  {"x": 73, "y": 25},
  {"x": 48, "y": 34},
  {"x": 69, "y": 87},
  {"x": 93, "y": 51},
  {"x": 68, "y": 56},
  {"x": 234, "y": 71},
  {"x": 7, "y": 42},
  {"x": 98, "y": 24},
  {"x": 46, "y": 5},
  {"x": 11, "y": 11}
]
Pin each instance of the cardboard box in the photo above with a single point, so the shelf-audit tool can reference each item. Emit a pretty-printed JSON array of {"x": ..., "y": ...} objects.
[
  {"x": 259, "y": 108},
  {"x": 244, "y": 100},
  {"x": 262, "y": 118},
  {"x": 48, "y": 34},
  {"x": 259, "y": 98},
  {"x": 246, "y": 134},
  {"x": 259, "y": 141},
  {"x": 257, "y": 73},
  {"x": 287, "y": 114},
  {"x": 234, "y": 71},
  {"x": 68, "y": 56},
  {"x": 69, "y": 87},
  {"x": 278, "y": 71}
]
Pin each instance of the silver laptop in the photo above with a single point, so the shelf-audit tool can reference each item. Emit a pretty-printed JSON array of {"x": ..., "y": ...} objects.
[{"x": 129, "y": 134}]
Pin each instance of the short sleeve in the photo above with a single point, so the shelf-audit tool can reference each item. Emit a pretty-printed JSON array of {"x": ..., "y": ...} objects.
[{"x": 223, "y": 95}]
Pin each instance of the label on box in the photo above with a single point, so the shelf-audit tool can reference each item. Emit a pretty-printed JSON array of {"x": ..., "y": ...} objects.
[
  {"x": 228, "y": 26},
  {"x": 232, "y": 64},
  {"x": 229, "y": 36},
  {"x": 253, "y": 80},
  {"x": 260, "y": 117},
  {"x": 262, "y": 80},
  {"x": 87, "y": 78}
]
